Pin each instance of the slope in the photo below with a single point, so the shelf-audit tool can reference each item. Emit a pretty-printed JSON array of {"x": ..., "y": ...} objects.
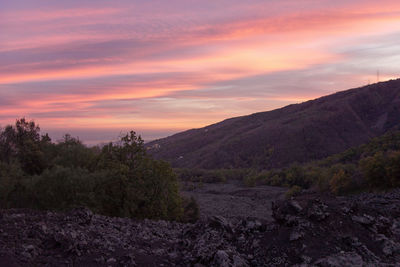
[{"x": 296, "y": 133}]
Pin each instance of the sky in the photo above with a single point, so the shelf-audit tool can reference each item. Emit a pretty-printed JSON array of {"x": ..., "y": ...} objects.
[{"x": 96, "y": 68}]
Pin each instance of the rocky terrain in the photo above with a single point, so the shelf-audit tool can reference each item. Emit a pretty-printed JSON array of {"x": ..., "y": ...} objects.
[
  {"x": 232, "y": 200},
  {"x": 309, "y": 230}
]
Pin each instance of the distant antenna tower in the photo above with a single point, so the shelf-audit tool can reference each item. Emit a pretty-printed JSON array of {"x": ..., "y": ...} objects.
[{"x": 377, "y": 76}]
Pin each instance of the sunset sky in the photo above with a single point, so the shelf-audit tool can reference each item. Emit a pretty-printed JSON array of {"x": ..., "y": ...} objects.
[{"x": 95, "y": 68}]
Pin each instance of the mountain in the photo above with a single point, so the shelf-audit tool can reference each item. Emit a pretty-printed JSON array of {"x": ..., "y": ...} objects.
[{"x": 296, "y": 133}]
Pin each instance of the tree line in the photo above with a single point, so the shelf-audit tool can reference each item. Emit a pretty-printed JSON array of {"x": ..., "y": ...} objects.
[
  {"x": 370, "y": 167},
  {"x": 117, "y": 179}
]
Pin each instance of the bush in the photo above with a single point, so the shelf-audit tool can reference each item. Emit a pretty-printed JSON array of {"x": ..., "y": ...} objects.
[
  {"x": 118, "y": 180},
  {"x": 190, "y": 210},
  {"x": 393, "y": 168},
  {"x": 70, "y": 152},
  {"x": 203, "y": 176},
  {"x": 340, "y": 183},
  {"x": 293, "y": 191},
  {"x": 373, "y": 169},
  {"x": 251, "y": 179},
  {"x": 23, "y": 143},
  {"x": 61, "y": 188}
]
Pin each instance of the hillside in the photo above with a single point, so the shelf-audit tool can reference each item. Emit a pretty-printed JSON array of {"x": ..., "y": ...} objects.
[{"x": 296, "y": 133}]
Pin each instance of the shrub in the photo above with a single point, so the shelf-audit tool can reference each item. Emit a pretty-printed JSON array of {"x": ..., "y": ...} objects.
[
  {"x": 293, "y": 191},
  {"x": 190, "y": 210},
  {"x": 70, "y": 152},
  {"x": 276, "y": 180},
  {"x": 296, "y": 175},
  {"x": 250, "y": 179},
  {"x": 341, "y": 182},
  {"x": 61, "y": 188},
  {"x": 373, "y": 169},
  {"x": 118, "y": 180},
  {"x": 393, "y": 168}
]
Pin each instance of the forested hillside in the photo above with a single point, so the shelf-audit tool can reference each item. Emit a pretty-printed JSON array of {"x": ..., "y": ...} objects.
[
  {"x": 373, "y": 166},
  {"x": 369, "y": 167}
]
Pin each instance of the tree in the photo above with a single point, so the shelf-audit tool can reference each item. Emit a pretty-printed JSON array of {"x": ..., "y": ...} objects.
[
  {"x": 23, "y": 143},
  {"x": 118, "y": 180},
  {"x": 131, "y": 149},
  {"x": 373, "y": 169},
  {"x": 341, "y": 182},
  {"x": 393, "y": 168},
  {"x": 140, "y": 186},
  {"x": 71, "y": 152},
  {"x": 8, "y": 144}
]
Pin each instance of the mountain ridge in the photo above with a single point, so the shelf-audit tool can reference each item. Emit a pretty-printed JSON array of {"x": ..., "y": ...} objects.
[{"x": 295, "y": 133}]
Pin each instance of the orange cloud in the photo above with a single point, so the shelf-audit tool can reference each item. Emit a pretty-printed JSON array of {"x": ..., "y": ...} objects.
[
  {"x": 81, "y": 57},
  {"x": 47, "y": 14}
]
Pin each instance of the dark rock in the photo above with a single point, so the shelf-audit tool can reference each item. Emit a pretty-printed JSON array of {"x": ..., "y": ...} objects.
[
  {"x": 320, "y": 234},
  {"x": 284, "y": 213},
  {"x": 346, "y": 210},
  {"x": 295, "y": 205},
  {"x": 8, "y": 261},
  {"x": 111, "y": 260},
  {"x": 238, "y": 261},
  {"x": 365, "y": 220},
  {"x": 296, "y": 234},
  {"x": 341, "y": 260},
  {"x": 82, "y": 215},
  {"x": 318, "y": 211},
  {"x": 221, "y": 258},
  {"x": 389, "y": 247},
  {"x": 220, "y": 222},
  {"x": 252, "y": 225}
]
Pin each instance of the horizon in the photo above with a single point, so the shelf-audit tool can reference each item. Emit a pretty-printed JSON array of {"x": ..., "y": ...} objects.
[
  {"x": 160, "y": 68},
  {"x": 57, "y": 136}
]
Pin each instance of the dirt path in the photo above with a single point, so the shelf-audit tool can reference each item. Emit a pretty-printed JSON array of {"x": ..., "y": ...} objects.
[{"x": 233, "y": 200}]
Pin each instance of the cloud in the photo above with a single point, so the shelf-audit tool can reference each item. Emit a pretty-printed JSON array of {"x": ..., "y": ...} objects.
[{"x": 163, "y": 66}]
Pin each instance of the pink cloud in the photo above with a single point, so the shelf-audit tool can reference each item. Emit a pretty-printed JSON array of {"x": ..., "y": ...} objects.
[{"x": 210, "y": 59}]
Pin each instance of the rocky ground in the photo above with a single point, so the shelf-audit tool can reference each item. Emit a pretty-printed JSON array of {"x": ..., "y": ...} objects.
[
  {"x": 232, "y": 200},
  {"x": 309, "y": 230}
]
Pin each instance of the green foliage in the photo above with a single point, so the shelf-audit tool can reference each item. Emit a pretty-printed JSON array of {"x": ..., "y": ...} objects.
[
  {"x": 296, "y": 175},
  {"x": 374, "y": 171},
  {"x": 382, "y": 170},
  {"x": 10, "y": 180},
  {"x": 23, "y": 143},
  {"x": 393, "y": 168},
  {"x": 70, "y": 152},
  {"x": 293, "y": 191},
  {"x": 251, "y": 179},
  {"x": 62, "y": 188},
  {"x": 341, "y": 182},
  {"x": 208, "y": 176},
  {"x": 372, "y": 166},
  {"x": 191, "y": 210},
  {"x": 117, "y": 180}
]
